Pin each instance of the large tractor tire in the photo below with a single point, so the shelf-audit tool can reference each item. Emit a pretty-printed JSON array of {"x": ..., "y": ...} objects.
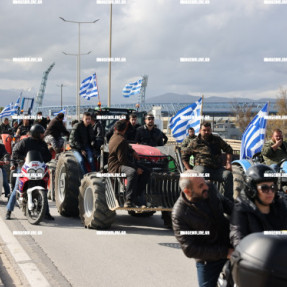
[
  {"x": 94, "y": 211},
  {"x": 68, "y": 177},
  {"x": 238, "y": 180}
]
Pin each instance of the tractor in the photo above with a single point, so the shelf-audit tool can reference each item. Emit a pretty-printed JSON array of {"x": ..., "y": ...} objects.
[{"x": 96, "y": 197}]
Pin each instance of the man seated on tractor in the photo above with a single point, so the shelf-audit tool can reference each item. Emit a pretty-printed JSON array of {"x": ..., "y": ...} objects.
[
  {"x": 41, "y": 120},
  {"x": 258, "y": 208},
  {"x": 150, "y": 135},
  {"x": 275, "y": 149},
  {"x": 206, "y": 149},
  {"x": 82, "y": 139},
  {"x": 188, "y": 139},
  {"x": 24, "y": 128},
  {"x": 5, "y": 127},
  {"x": 4, "y": 156},
  {"x": 120, "y": 161},
  {"x": 54, "y": 132}
]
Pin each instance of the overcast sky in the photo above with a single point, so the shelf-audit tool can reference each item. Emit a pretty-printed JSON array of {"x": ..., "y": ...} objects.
[{"x": 152, "y": 35}]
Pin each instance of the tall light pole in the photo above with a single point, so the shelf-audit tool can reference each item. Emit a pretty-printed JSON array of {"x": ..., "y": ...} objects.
[
  {"x": 61, "y": 86},
  {"x": 110, "y": 56},
  {"x": 78, "y": 61}
]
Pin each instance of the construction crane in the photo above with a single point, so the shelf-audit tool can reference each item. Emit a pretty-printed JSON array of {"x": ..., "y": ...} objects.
[{"x": 40, "y": 95}]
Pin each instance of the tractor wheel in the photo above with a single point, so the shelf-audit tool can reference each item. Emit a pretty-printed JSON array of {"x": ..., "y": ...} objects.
[
  {"x": 68, "y": 177},
  {"x": 142, "y": 214},
  {"x": 238, "y": 180},
  {"x": 94, "y": 211}
]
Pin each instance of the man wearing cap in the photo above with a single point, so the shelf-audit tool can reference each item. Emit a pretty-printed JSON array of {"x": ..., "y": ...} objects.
[{"x": 150, "y": 135}]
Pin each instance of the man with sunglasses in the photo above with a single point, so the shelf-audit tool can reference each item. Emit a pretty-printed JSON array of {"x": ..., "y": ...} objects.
[
  {"x": 149, "y": 134},
  {"x": 258, "y": 207}
]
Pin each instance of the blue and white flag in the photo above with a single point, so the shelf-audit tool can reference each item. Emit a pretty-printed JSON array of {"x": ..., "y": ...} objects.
[
  {"x": 15, "y": 108},
  {"x": 89, "y": 88},
  {"x": 61, "y": 111},
  {"x": 132, "y": 89},
  {"x": 188, "y": 117},
  {"x": 6, "y": 112},
  {"x": 254, "y": 135}
]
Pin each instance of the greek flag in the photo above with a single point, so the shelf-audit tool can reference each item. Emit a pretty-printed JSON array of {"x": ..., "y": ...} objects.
[
  {"x": 6, "y": 112},
  {"x": 132, "y": 89},
  {"x": 61, "y": 111},
  {"x": 188, "y": 117},
  {"x": 15, "y": 108},
  {"x": 89, "y": 88},
  {"x": 254, "y": 135}
]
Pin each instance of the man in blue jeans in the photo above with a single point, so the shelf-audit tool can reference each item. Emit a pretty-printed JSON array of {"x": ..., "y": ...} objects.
[
  {"x": 200, "y": 226},
  {"x": 4, "y": 156},
  {"x": 82, "y": 139}
]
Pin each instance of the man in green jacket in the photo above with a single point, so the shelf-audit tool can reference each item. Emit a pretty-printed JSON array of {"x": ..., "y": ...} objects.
[
  {"x": 188, "y": 139},
  {"x": 275, "y": 149}
]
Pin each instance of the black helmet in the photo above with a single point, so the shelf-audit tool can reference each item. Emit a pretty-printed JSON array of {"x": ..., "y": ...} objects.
[
  {"x": 36, "y": 130},
  {"x": 256, "y": 174}
]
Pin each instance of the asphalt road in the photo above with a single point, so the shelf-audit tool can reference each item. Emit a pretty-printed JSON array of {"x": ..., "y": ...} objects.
[{"x": 67, "y": 254}]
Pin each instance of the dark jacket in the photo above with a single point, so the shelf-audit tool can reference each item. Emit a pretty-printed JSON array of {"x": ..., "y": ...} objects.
[
  {"x": 120, "y": 153},
  {"x": 246, "y": 218},
  {"x": 81, "y": 136},
  {"x": 24, "y": 130},
  {"x": 154, "y": 137},
  {"x": 130, "y": 134},
  {"x": 21, "y": 149},
  {"x": 43, "y": 122},
  {"x": 56, "y": 128},
  {"x": 4, "y": 155},
  {"x": 208, "y": 216},
  {"x": 207, "y": 153},
  {"x": 5, "y": 129}
]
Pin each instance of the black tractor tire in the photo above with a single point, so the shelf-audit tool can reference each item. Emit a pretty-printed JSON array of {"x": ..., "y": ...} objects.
[
  {"x": 94, "y": 211},
  {"x": 166, "y": 216},
  {"x": 39, "y": 198},
  {"x": 141, "y": 214},
  {"x": 52, "y": 167},
  {"x": 68, "y": 177},
  {"x": 238, "y": 180}
]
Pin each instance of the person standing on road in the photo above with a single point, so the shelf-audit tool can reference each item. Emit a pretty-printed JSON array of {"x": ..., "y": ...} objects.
[
  {"x": 82, "y": 139},
  {"x": 206, "y": 149},
  {"x": 120, "y": 161},
  {"x": 200, "y": 226},
  {"x": 4, "y": 156},
  {"x": 20, "y": 150},
  {"x": 150, "y": 135}
]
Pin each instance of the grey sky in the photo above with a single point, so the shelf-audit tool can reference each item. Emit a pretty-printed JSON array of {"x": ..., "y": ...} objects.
[{"x": 152, "y": 35}]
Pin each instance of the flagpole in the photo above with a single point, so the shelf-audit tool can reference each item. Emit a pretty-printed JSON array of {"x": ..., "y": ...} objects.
[
  {"x": 99, "y": 101},
  {"x": 201, "y": 110},
  {"x": 266, "y": 121}
]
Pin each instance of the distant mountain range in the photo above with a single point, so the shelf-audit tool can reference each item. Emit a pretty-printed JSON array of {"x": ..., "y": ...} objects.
[{"x": 7, "y": 96}]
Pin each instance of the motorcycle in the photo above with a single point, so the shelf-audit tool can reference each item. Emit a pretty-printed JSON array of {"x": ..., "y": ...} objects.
[{"x": 32, "y": 193}]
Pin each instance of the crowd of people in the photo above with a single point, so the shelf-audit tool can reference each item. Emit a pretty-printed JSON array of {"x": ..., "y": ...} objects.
[{"x": 208, "y": 224}]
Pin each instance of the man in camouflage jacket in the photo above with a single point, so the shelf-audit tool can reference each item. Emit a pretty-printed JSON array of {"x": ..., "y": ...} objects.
[{"x": 206, "y": 149}]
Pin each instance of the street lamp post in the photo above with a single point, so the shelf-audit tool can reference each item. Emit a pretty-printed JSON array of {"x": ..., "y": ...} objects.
[
  {"x": 78, "y": 102},
  {"x": 61, "y": 86}
]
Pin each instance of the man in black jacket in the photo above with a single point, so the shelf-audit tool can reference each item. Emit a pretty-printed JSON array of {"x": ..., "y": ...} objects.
[
  {"x": 82, "y": 139},
  {"x": 150, "y": 135},
  {"x": 200, "y": 226},
  {"x": 5, "y": 127},
  {"x": 35, "y": 142},
  {"x": 54, "y": 132},
  {"x": 4, "y": 156}
]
